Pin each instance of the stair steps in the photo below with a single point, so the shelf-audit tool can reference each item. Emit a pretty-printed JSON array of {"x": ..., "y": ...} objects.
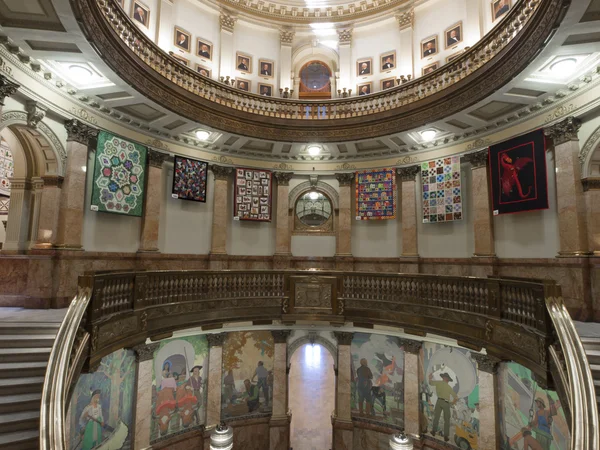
[{"x": 592, "y": 351}]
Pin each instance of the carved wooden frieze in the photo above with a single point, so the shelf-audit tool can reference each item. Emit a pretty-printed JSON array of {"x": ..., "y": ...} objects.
[{"x": 313, "y": 294}]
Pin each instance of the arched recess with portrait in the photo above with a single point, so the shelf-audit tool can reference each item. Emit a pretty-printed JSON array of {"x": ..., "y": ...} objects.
[{"x": 314, "y": 68}]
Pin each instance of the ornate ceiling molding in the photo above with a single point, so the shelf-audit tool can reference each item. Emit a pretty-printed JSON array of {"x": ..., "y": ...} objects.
[
  {"x": 563, "y": 131},
  {"x": 7, "y": 88},
  {"x": 35, "y": 113}
]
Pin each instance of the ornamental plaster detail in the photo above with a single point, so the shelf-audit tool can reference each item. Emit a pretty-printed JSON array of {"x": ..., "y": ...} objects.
[
  {"x": 343, "y": 337},
  {"x": 345, "y": 36},
  {"x": 221, "y": 172},
  {"x": 486, "y": 363},
  {"x": 216, "y": 340},
  {"x": 477, "y": 159},
  {"x": 35, "y": 113},
  {"x": 7, "y": 88},
  {"x": 286, "y": 37},
  {"x": 283, "y": 178},
  {"x": 408, "y": 173},
  {"x": 156, "y": 159},
  {"x": 145, "y": 352},
  {"x": 79, "y": 132},
  {"x": 345, "y": 179},
  {"x": 405, "y": 19},
  {"x": 563, "y": 131},
  {"x": 227, "y": 21}
]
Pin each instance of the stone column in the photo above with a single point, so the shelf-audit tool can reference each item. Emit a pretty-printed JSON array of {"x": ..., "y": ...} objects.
[
  {"x": 488, "y": 399},
  {"x": 286, "y": 38},
  {"x": 72, "y": 196},
  {"x": 215, "y": 377},
  {"x": 591, "y": 193},
  {"x": 143, "y": 405},
  {"x": 283, "y": 237},
  {"x": 483, "y": 223},
  {"x": 342, "y": 423},
  {"x": 218, "y": 245},
  {"x": 346, "y": 64},
  {"x": 227, "y": 64},
  {"x": 48, "y": 214},
  {"x": 343, "y": 254},
  {"x": 408, "y": 208},
  {"x": 569, "y": 192},
  {"x": 7, "y": 89},
  {"x": 17, "y": 227},
  {"x": 37, "y": 188},
  {"x": 279, "y": 426},
  {"x": 412, "y": 350},
  {"x": 152, "y": 202},
  {"x": 404, "y": 58}
]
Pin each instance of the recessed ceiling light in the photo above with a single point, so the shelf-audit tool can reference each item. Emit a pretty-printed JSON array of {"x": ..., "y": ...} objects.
[
  {"x": 79, "y": 73},
  {"x": 313, "y": 195},
  {"x": 564, "y": 66},
  {"x": 313, "y": 150},
  {"x": 202, "y": 135},
  {"x": 428, "y": 135}
]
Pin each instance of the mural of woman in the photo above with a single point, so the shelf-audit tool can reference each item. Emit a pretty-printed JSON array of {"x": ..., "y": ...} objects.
[
  {"x": 92, "y": 422},
  {"x": 165, "y": 401}
]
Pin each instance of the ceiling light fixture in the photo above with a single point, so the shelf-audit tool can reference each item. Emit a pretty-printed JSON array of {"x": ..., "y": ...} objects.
[
  {"x": 564, "y": 66},
  {"x": 313, "y": 150},
  {"x": 428, "y": 135},
  {"x": 202, "y": 135},
  {"x": 313, "y": 195},
  {"x": 79, "y": 73}
]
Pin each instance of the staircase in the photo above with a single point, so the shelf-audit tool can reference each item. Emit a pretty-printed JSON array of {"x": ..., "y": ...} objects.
[
  {"x": 24, "y": 351},
  {"x": 592, "y": 351}
]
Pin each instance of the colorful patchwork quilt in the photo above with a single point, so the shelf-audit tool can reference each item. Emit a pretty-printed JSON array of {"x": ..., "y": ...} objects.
[
  {"x": 376, "y": 194},
  {"x": 442, "y": 191}
]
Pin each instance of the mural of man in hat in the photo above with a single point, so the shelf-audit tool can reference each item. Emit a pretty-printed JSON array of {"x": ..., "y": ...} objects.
[
  {"x": 92, "y": 422},
  {"x": 444, "y": 394},
  {"x": 196, "y": 384}
]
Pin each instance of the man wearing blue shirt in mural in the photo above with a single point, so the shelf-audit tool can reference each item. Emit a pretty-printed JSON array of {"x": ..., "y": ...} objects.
[{"x": 262, "y": 375}]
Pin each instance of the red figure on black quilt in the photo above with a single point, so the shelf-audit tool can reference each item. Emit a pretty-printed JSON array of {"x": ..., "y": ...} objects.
[{"x": 510, "y": 175}]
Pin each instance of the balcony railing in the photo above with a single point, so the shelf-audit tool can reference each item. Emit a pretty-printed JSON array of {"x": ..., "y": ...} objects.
[{"x": 513, "y": 319}]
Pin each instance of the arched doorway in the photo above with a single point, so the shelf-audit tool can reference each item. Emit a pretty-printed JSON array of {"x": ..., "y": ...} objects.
[
  {"x": 311, "y": 397},
  {"x": 315, "y": 81}
]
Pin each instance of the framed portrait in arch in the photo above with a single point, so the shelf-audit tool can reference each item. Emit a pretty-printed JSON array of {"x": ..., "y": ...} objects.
[
  {"x": 364, "y": 67},
  {"x": 204, "y": 71},
  {"x": 453, "y": 56},
  {"x": 242, "y": 84},
  {"x": 429, "y": 47},
  {"x": 243, "y": 62},
  {"x": 387, "y": 61},
  {"x": 182, "y": 39},
  {"x": 266, "y": 68},
  {"x": 364, "y": 88},
  {"x": 430, "y": 68},
  {"x": 453, "y": 35},
  {"x": 140, "y": 13},
  {"x": 388, "y": 83},
  {"x": 204, "y": 49},
  {"x": 180, "y": 59},
  {"x": 265, "y": 90},
  {"x": 499, "y": 8}
]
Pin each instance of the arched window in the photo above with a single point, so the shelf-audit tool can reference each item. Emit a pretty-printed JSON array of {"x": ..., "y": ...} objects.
[
  {"x": 313, "y": 213},
  {"x": 315, "y": 81}
]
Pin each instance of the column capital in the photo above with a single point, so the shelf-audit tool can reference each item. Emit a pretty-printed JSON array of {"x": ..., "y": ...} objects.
[
  {"x": 19, "y": 183},
  {"x": 564, "y": 131},
  {"x": 343, "y": 337},
  {"x": 281, "y": 336},
  {"x": 216, "y": 340},
  {"x": 53, "y": 180},
  {"x": 145, "y": 352},
  {"x": 227, "y": 21},
  {"x": 410, "y": 345},
  {"x": 591, "y": 184},
  {"x": 221, "y": 172},
  {"x": 7, "y": 88},
  {"x": 408, "y": 173},
  {"x": 345, "y": 36},
  {"x": 35, "y": 113},
  {"x": 345, "y": 179},
  {"x": 286, "y": 37},
  {"x": 156, "y": 159},
  {"x": 486, "y": 363},
  {"x": 79, "y": 132},
  {"x": 283, "y": 178},
  {"x": 405, "y": 18},
  {"x": 478, "y": 159}
]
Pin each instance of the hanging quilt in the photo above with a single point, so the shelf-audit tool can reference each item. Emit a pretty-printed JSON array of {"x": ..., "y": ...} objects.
[
  {"x": 119, "y": 172},
  {"x": 6, "y": 168},
  {"x": 252, "y": 195},
  {"x": 376, "y": 194},
  {"x": 518, "y": 174},
  {"x": 442, "y": 191},
  {"x": 189, "y": 179}
]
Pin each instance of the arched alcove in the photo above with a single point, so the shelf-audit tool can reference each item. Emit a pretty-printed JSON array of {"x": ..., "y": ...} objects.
[
  {"x": 309, "y": 57},
  {"x": 312, "y": 338},
  {"x": 315, "y": 81}
]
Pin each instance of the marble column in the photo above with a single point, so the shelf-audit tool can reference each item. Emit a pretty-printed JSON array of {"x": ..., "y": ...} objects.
[
  {"x": 227, "y": 64},
  {"x": 342, "y": 423},
  {"x": 591, "y": 193},
  {"x": 279, "y": 425},
  {"x": 483, "y": 223},
  {"x": 143, "y": 404},
  {"x": 70, "y": 215},
  {"x": 404, "y": 59},
  {"x": 286, "y": 38},
  {"x": 48, "y": 214},
  {"x": 488, "y": 398},
  {"x": 215, "y": 377},
  {"x": 412, "y": 350},
  {"x": 152, "y": 201},
  {"x": 283, "y": 238},
  {"x": 343, "y": 254},
  {"x": 37, "y": 189},
  {"x": 569, "y": 192},
  {"x": 408, "y": 211},
  {"x": 7, "y": 89},
  {"x": 17, "y": 227},
  {"x": 221, "y": 218},
  {"x": 346, "y": 79}
]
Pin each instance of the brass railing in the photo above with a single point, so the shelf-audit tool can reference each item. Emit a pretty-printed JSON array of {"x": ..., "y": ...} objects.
[{"x": 513, "y": 319}]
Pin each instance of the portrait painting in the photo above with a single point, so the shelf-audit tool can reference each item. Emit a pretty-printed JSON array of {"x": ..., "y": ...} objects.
[
  {"x": 499, "y": 8},
  {"x": 265, "y": 89},
  {"x": 453, "y": 56},
  {"x": 430, "y": 68},
  {"x": 429, "y": 46},
  {"x": 388, "y": 83},
  {"x": 454, "y": 35},
  {"x": 205, "y": 72},
  {"x": 180, "y": 59},
  {"x": 182, "y": 39},
  {"x": 266, "y": 68},
  {"x": 364, "y": 88},
  {"x": 140, "y": 13},
  {"x": 243, "y": 62},
  {"x": 364, "y": 67},
  {"x": 388, "y": 61},
  {"x": 204, "y": 49},
  {"x": 242, "y": 85}
]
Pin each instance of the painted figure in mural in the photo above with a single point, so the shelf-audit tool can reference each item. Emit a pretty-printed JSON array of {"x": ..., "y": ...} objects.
[
  {"x": 166, "y": 372},
  {"x": 252, "y": 394},
  {"x": 444, "y": 394},
  {"x": 165, "y": 401},
  {"x": 196, "y": 384},
  {"x": 92, "y": 422},
  {"x": 542, "y": 422},
  {"x": 270, "y": 381},
  {"x": 262, "y": 375},
  {"x": 365, "y": 383},
  {"x": 186, "y": 401},
  {"x": 378, "y": 393},
  {"x": 475, "y": 418},
  {"x": 229, "y": 384},
  {"x": 425, "y": 406}
]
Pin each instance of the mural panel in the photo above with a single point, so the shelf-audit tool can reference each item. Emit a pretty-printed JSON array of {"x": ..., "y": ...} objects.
[
  {"x": 449, "y": 394},
  {"x": 179, "y": 385},
  {"x": 101, "y": 408},
  {"x": 247, "y": 373},
  {"x": 530, "y": 417},
  {"x": 377, "y": 380}
]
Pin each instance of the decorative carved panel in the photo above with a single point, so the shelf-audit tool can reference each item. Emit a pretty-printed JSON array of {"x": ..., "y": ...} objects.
[{"x": 313, "y": 295}]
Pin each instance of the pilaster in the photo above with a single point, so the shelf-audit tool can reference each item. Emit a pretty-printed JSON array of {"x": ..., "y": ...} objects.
[
  {"x": 483, "y": 222},
  {"x": 404, "y": 59},
  {"x": 37, "y": 188},
  {"x": 143, "y": 404},
  {"x": 49, "y": 209},
  {"x": 344, "y": 225},
  {"x": 220, "y": 214},
  {"x": 488, "y": 398},
  {"x": 226, "y": 58},
  {"x": 152, "y": 201},
  {"x": 282, "y": 230},
  {"x": 279, "y": 425},
  {"x": 215, "y": 375},
  {"x": 286, "y": 38},
  {"x": 164, "y": 26},
  {"x": 591, "y": 193},
  {"x": 412, "y": 350},
  {"x": 345, "y": 58},
  {"x": 18, "y": 215},
  {"x": 408, "y": 210},
  {"x": 342, "y": 426}
]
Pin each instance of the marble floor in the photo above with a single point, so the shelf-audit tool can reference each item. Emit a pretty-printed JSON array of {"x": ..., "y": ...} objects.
[{"x": 312, "y": 397}]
